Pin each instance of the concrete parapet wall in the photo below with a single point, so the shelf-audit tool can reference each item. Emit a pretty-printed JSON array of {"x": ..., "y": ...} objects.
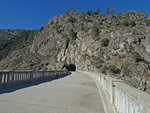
[
  {"x": 122, "y": 97},
  {"x": 11, "y": 78}
]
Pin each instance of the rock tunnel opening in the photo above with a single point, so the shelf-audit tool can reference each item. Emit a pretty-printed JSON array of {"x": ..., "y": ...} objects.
[{"x": 70, "y": 67}]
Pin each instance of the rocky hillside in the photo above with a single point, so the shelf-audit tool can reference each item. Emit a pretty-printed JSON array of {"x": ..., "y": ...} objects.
[
  {"x": 117, "y": 45},
  {"x": 13, "y": 39}
]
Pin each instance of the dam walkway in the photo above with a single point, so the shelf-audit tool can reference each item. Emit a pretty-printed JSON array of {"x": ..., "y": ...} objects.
[{"x": 75, "y": 93}]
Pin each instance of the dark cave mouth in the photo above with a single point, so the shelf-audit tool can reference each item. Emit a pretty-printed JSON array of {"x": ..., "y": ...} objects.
[{"x": 70, "y": 67}]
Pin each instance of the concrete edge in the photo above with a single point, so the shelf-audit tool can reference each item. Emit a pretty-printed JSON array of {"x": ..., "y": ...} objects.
[
  {"x": 104, "y": 98},
  {"x": 102, "y": 93},
  {"x": 106, "y": 101}
]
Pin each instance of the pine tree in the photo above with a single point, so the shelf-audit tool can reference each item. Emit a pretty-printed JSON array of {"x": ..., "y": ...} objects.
[
  {"x": 112, "y": 11},
  {"x": 97, "y": 11},
  {"x": 107, "y": 11},
  {"x": 91, "y": 12},
  {"x": 68, "y": 10},
  {"x": 88, "y": 12}
]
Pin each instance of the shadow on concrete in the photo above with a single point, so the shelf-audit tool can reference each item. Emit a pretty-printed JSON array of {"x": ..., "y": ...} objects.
[{"x": 17, "y": 87}]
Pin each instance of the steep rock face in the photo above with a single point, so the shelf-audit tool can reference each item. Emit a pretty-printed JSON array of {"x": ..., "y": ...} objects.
[{"x": 116, "y": 45}]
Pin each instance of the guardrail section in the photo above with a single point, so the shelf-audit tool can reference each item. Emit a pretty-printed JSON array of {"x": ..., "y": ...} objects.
[
  {"x": 123, "y": 98},
  {"x": 10, "y": 78}
]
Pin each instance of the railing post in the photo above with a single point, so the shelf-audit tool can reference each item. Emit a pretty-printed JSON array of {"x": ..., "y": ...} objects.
[{"x": 1, "y": 79}]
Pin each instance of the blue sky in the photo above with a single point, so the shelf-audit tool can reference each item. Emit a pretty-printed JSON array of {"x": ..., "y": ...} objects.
[{"x": 32, "y": 14}]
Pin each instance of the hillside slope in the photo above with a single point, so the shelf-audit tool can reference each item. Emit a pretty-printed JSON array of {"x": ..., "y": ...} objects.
[
  {"x": 13, "y": 39},
  {"x": 116, "y": 45}
]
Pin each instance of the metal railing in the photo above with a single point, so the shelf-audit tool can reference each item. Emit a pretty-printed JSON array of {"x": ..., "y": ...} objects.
[{"x": 11, "y": 78}]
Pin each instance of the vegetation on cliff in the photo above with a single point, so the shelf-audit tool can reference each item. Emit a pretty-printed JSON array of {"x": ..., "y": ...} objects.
[{"x": 13, "y": 39}]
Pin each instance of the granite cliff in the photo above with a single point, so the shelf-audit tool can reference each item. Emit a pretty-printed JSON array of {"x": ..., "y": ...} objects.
[{"x": 117, "y": 45}]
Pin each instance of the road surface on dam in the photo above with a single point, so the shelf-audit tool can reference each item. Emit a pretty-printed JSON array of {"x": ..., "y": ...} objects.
[{"x": 75, "y": 93}]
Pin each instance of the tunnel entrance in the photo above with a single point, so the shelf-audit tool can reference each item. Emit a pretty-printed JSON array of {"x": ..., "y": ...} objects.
[{"x": 70, "y": 67}]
